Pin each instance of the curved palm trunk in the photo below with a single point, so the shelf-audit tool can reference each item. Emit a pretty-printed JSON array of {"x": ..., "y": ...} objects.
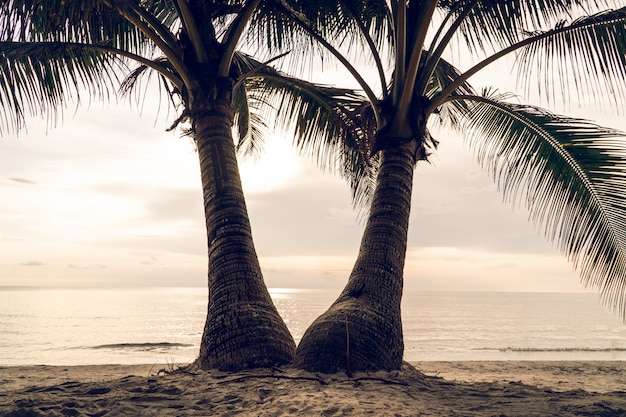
[
  {"x": 362, "y": 330},
  {"x": 243, "y": 328}
]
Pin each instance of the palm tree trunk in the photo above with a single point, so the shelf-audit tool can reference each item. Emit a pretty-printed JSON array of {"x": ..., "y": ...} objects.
[
  {"x": 362, "y": 330},
  {"x": 243, "y": 328}
]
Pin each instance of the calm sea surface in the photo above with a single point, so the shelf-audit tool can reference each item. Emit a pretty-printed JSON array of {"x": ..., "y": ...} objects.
[{"x": 164, "y": 325}]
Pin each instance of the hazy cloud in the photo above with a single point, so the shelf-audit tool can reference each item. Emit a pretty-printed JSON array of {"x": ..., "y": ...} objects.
[
  {"x": 150, "y": 260},
  {"x": 305, "y": 218},
  {"x": 88, "y": 267},
  {"x": 22, "y": 180},
  {"x": 176, "y": 205},
  {"x": 32, "y": 263}
]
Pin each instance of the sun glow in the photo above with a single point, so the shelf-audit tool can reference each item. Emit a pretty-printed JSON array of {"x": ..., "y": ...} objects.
[{"x": 276, "y": 167}]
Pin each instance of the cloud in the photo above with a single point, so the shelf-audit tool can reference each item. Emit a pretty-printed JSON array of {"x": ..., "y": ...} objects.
[
  {"x": 174, "y": 205},
  {"x": 311, "y": 216},
  {"x": 32, "y": 263},
  {"x": 150, "y": 260},
  {"x": 22, "y": 180},
  {"x": 456, "y": 205},
  {"x": 74, "y": 266}
]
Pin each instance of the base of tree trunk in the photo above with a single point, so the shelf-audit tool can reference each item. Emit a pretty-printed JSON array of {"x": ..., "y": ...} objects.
[
  {"x": 353, "y": 335},
  {"x": 245, "y": 336}
]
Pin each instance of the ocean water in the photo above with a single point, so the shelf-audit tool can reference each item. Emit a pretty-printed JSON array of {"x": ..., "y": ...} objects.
[{"x": 164, "y": 325}]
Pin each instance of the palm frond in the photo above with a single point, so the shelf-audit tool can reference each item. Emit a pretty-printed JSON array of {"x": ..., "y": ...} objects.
[
  {"x": 349, "y": 22},
  {"x": 57, "y": 51},
  {"x": 608, "y": 66},
  {"x": 349, "y": 25},
  {"x": 252, "y": 145},
  {"x": 271, "y": 30},
  {"x": 165, "y": 11},
  {"x": 495, "y": 23},
  {"x": 137, "y": 84},
  {"x": 587, "y": 56},
  {"x": 569, "y": 172},
  {"x": 452, "y": 112},
  {"x": 332, "y": 126},
  {"x": 249, "y": 123},
  {"x": 43, "y": 77},
  {"x": 87, "y": 21}
]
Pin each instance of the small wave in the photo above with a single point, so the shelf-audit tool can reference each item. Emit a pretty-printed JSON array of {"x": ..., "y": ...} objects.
[
  {"x": 573, "y": 349},
  {"x": 143, "y": 346}
]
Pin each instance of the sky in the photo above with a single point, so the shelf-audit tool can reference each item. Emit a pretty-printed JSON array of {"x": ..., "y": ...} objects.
[{"x": 109, "y": 198}]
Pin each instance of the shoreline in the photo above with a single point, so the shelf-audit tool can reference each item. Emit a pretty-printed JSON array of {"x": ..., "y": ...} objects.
[{"x": 432, "y": 388}]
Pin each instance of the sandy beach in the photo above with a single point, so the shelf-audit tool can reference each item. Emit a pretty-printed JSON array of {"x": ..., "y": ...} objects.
[{"x": 525, "y": 388}]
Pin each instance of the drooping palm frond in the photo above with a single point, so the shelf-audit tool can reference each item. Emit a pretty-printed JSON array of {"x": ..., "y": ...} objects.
[
  {"x": 344, "y": 22},
  {"x": 41, "y": 78},
  {"x": 564, "y": 46},
  {"x": 330, "y": 124},
  {"x": 87, "y": 21},
  {"x": 55, "y": 52},
  {"x": 138, "y": 84},
  {"x": 351, "y": 26},
  {"x": 165, "y": 11},
  {"x": 249, "y": 122},
  {"x": 452, "y": 112},
  {"x": 496, "y": 23},
  {"x": 587, "y": 56},
  {"x": 570, "y": 174},
  {"x": 324, "y": 129}
]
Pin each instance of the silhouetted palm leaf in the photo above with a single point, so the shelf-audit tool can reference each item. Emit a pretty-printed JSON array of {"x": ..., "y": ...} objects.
[
  {"x": 584, "y": 57},
  {"x": 323, "y": 119},
  {"x": 569, "y": 173},
  {"x": 41, "y": 78}
]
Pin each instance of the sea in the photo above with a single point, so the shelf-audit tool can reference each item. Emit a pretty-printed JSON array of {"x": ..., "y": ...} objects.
[{"x": 163, "y": 326}]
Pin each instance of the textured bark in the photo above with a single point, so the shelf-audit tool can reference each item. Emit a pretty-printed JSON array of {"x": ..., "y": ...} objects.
[
  {"x": 362, "y": 330},
  {"x": 243, "y": 328}
]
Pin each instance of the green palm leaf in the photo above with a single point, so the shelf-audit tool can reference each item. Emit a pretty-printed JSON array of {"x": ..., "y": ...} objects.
[{"x": 570, "y": 173}]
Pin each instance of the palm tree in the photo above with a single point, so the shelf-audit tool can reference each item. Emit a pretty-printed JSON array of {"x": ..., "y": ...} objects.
[
  {"x": 566, "y": 170},
  {"x": 53, "y": 51}
]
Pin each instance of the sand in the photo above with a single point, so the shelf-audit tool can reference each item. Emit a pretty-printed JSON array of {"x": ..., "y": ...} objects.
[{"x": 522, "y": 388}]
